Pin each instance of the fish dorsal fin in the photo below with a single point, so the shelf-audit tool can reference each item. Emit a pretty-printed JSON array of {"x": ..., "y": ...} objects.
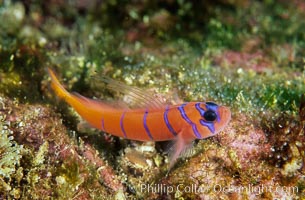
[
  {"x": 101, "y": 104},
  {"x": 133, "y": 97}
]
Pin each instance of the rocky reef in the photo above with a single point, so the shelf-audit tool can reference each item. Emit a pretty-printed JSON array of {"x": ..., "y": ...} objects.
[{"x": 247, "y": 55}]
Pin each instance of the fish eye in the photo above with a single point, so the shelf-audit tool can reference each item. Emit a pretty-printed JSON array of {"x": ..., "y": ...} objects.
[{"x": 210, "y": 116}]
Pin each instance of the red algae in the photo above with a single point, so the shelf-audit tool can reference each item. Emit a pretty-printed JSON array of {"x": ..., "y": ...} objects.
[
  {"x": 52, "y": 163},
  {"x": 234, "y": 166},
  {"x": 255, "y": 61}
]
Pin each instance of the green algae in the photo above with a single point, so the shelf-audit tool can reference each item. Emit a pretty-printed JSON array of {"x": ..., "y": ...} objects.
[
  {"x": 68, "y": 180},
  {"x": 10, "y": 155},
  {"x": 130, "y": 43}
]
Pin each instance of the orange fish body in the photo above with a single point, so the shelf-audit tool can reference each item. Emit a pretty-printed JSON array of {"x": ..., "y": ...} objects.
[{"x": 181, "y": 123}]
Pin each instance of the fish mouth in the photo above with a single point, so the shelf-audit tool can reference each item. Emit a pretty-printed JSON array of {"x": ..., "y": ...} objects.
[
  {"x": 227, "y": 112},
  {"x": 225, "y": 115}
]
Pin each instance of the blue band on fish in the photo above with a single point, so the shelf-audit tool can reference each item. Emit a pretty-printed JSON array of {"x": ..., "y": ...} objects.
[
  {"x": 122, "y": 125},
  {"x": 185, "y": 117},
  {"x": 170, "y": 128},
  {"x": 145, "y": 125},
  {"x": 103, "y": 125}
]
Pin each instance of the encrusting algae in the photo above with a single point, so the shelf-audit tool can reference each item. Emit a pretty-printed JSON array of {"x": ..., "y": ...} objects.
[
  {"x": 232, "y": 54},
  {"x": 48, "y": 163}
]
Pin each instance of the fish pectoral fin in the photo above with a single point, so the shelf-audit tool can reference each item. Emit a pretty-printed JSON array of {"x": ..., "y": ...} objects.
[{"x": 180, "y": 146}]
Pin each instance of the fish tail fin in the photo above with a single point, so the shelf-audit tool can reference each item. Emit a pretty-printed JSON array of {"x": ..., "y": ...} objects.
[
  {"x": 76, "y": 100},
  {"x": 57, "y": 87}
]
